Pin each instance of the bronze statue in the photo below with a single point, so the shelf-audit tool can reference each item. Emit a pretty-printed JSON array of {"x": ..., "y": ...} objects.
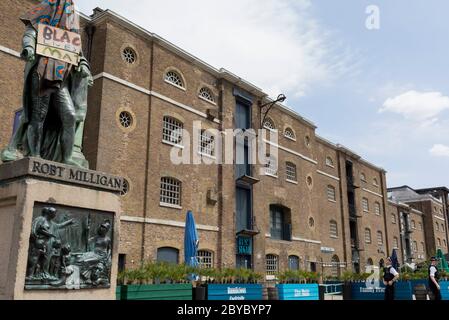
[{"x": 54, "y": 95}]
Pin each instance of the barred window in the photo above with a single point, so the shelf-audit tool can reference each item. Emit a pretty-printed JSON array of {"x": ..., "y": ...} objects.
[
  {"x": 420, "y": 225},
  {"x": 333, "y": 229},
  {"x": 415, "y": 246},
  {"x": 422, "y": 247},
  {"x": 367, "y": 235},
  {"x": 439, "y": 242},
  {"x": 335, "y": 263},
  {"x": 206, "y": 94},
  {"x": 172, "y": 130},
  {"x": 377, "y": 208},
  {"x": 271, "y": 167},
  {"x": 365, "y": 205},
  {"x": 126, "y": 119},
  {"x": 437, "y": 226},
  {"x": 170, "y": 191},
  {"x": 393, "y": 218},
  {"x": 331, "y": 193},
  {"x": 329, "y": 162},
  {"x": 413, "y": 224},
  {"x": 272, "y": 264},
  {"x": 380, "y": 238},
  {"x": 291, "y": 171},
  {"x": 207, "y": 143},
  {"x": 205, "y": 259},
  {"x": 288, "y": 133},
  {"x": 293, "y": 263},
  {"x": 174, "y": 78},
  {"x": 396, "y": 243},
  {"x": 269, "y": 124}
]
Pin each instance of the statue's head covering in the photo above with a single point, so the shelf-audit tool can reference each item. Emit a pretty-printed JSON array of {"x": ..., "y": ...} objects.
[
  {"x": 60, "y": 14},
  {"x": 57, "y": 13}
]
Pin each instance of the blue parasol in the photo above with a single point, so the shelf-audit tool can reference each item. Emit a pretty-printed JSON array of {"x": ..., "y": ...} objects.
[
  {"x": 191, "y": 243},
  {"x": 394, "y": 260}
]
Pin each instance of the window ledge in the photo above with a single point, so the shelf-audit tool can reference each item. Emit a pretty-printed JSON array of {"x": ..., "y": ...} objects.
[
  {"x": 366, "y": 211},
  {"x": 328, "y": 165},
  {"x": 207, "y": 155},
  {"x": 211, "y": 102},
  {"x": 333, "y": 237},
  {"x": 270, "y": 175},
  {"x": 175, "y": 85},
  {"x": 289, "y": 138},
  {"x": 168, "y": 205},
  {"x": 291, "y": 181},
  {"x": 173, "y": 144},
  {"x": 333, "y": 201}
]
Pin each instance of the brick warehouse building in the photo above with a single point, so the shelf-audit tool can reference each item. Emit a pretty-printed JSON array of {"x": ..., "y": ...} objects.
[{"x": 324, "y": 208}]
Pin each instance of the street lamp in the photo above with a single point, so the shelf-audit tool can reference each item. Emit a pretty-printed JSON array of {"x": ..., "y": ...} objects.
[{"x": 269, "y": 105}]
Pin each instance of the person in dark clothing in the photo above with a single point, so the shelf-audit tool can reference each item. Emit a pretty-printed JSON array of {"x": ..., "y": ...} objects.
[
  {"x": 434, "y": 286},
  {"x": 390, "y": 276}
]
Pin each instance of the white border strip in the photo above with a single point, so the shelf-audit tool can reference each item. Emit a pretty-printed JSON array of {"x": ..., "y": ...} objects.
[
  {"x": 151, "y": 93},
  {"x": 290, "y": 151},
  {"x": 439, "y": 218},
  {"x": 10, "y": 51},
  {"x": 372, "y": 192},
  {"x": 328, "y": 175},
  {"x": 268, "y": 235},
  {"x": 170, "y": 223}
]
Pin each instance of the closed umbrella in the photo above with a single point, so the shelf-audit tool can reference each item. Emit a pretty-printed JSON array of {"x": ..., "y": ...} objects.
[
  {"x": 191, "y": 242},
  {"x": 394, "y": 260},
  {"x": 442, "y": 261}
]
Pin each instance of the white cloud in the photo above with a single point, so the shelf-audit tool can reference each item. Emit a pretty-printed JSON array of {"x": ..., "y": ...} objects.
[
  {"x": 423, "y": 107},
  {"x": 439, "y": 150},
  {"x": 275, "y": 44}
]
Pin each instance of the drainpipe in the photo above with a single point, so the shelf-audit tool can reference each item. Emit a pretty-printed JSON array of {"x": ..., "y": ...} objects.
[
  {"x": 220, "y": 179},
  {"x": 384, "y": 204},
  {"x": 90, "y": 31},
  {"x": 342, "y": 208}
]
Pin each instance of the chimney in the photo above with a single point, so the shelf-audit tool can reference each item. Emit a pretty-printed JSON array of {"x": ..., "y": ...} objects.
[{"x": 96, "y": 11}]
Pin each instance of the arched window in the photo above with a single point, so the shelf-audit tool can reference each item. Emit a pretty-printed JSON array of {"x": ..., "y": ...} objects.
[
  {"x": 288, "y": 133},
  {"x": 375, "y": 182},
  {"x": 206, "y": 145},
  {"x": 363, "y": 177},
  {"x": 331, "y": 193},
  {"x": 365, "y": 204},
  {"x": 439, "y": 242},
  {"x": 170, "y": 193},
  {"x": 206, "y": 94},
  {"x": 269, "y": 124},
  {"x": 290, "y": 171},
  {"x": 329, "y": 162},
  {"x": 333, "y": 229},
  {"x": 205, "y": 259},
  {"x": 413, "y": 224},
  {"x": 377, "y": 208},
  {"x": 172, "y": 130},
  {"x": 395, "y": 243},
  {"x": 367, "y": 235},
  {"x": 369, "y": 262},
  {"x": 293, "y": 263},
  {"x": 415, "y": 246},
  {"x": 168, "y": 254},
  {"x": 437, "y": 226},
  {"x": 174, "y": 78},
  {"x": 380, "y": 238},
  {"x": 335, "y": 266},
  {"x": 381, "y": 263},
  {"x": 272, "y": 264},
  {"x": 271, "y": 167},
  {"x": 422, "y": 247},
  {"x": 393, "y": 218}
]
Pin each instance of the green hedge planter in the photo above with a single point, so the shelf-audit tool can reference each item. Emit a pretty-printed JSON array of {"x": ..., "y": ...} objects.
[{"x": 155, "y": 292}]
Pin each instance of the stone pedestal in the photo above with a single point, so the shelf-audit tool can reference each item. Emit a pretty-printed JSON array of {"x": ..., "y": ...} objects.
[{"x": 86, "y": 225}]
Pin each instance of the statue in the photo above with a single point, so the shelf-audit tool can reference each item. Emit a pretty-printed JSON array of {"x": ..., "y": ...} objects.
[{"x": 54, "y": 95}]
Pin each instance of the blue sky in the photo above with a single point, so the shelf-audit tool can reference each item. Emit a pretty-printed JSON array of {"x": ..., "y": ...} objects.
[{"x": 384, "y": 93}]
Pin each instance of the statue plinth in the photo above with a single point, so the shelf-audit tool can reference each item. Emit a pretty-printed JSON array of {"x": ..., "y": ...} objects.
[{"x": 59, "y": 231}]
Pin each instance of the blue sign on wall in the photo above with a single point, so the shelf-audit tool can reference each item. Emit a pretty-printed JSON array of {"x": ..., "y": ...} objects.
[
  {"x": 444, "y": 289},
  {"x": 298, "y": 291},
  {"x": 234, "y": 292},
  {"x": 244, "y": 245}
]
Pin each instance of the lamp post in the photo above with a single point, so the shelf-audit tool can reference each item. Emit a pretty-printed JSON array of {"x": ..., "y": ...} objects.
[{"x": 267, "y": 106}]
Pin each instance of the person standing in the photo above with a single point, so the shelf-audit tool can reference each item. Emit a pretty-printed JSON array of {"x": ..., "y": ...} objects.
[
  {"x": 433, "y": 279},
  {"x": 390, "y": 277}
]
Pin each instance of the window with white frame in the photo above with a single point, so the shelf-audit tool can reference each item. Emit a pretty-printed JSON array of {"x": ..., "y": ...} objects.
[
  {"x": 170, "y": 193},
  {"x": 174, "y": 78},
  {"x": 393, "y": 218},
  {"x": 375, "y": 182},
  {"x": 439, "y": 242},
  {"x": 365, "y": 204},
  {"x": 363, "y": 177},
  {"x": 377, "y": 208},
  {"x": 413, "y": 224},
  {"x": 380, "y": 238},
  {"x": 367, "y": 235},
  {"x": 415, "y": 246},
  {"x": 422, "y": 247},
  {"x": 206, "y": 94},
  {"x": 290, "y": 170},
  {"x": 172, "y": 130},
  {"x": 395, "y": 243},
  {"x": 205, "y": 259},
  {"x": 333, "y": 229},
  {"x": 271, "y": 167},
  {"x": 329, "y": 162},
  {"x": 288, "y": 133},
  {"x": 420, "y": 226},
  {"x": 269, "y": 124},
  {"x": 206, "y": 144},
  {"x": 331, "y": 193},
  {"x": 437, "y": 226},
  {"x": 272, "y": 264}
]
